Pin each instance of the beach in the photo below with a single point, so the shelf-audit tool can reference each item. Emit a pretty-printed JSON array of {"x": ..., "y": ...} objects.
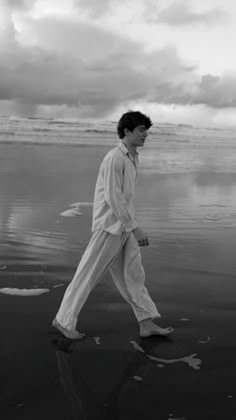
[{"x": 187, "y": 206}]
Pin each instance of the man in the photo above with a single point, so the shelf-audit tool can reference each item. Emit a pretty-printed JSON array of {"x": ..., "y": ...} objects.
[{"x": 116, "y": 236}]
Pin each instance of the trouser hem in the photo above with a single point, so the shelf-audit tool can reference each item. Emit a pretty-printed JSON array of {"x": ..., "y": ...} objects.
[{"x": 157, "y": 315}]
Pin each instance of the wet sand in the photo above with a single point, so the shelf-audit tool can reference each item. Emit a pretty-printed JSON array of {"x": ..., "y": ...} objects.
[{"x": 190, "y": 268}]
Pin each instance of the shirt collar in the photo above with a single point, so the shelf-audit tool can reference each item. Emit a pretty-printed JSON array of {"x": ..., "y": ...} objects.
[{"x": 124, "y": 149}]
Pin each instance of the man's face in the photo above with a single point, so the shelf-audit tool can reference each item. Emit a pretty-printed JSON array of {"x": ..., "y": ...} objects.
[{"x": 138, "y": 136}]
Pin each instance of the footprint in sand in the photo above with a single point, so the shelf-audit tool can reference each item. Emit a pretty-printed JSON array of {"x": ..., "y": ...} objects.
[{"x": 191, "y": 360}]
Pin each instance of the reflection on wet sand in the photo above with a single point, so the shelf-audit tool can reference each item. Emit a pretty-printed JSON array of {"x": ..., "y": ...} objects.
[{"x": 83, "y": 401}]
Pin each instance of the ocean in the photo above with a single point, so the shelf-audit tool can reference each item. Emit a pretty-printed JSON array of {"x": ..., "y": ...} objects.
[{"x": 170, "y": 148}]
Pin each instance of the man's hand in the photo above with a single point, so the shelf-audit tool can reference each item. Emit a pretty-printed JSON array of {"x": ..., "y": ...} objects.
[{"x": 140, "y": 237}]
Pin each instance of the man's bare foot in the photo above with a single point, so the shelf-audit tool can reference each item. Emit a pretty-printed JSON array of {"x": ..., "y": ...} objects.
[
  {"x": 71, "y": 334},
  {"x": 148, "y": 328}
]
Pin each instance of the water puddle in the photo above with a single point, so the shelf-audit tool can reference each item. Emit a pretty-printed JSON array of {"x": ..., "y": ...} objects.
[
  {"x": 204, "y": 342},
  {"x": 97, "y": 340},
  {"x": 190, "y": 360},
  {"x": 138, "y": 378},
  {"x": 173, "y": 417},
  {"x": 71, "y": 213},
  {"x": 82, "y": 204},
  {"x": 75, "y": 209}
]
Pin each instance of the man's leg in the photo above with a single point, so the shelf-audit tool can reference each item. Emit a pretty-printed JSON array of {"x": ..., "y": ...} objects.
[
  {"x": 99, "y": 254},
  {"x": 129, "y": 276}
]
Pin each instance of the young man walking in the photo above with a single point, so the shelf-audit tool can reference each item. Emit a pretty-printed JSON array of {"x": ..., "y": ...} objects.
[{"x": 116, "y": 240}]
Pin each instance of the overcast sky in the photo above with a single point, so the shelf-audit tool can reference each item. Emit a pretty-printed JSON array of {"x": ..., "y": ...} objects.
[{"x": 172, "y": 59}]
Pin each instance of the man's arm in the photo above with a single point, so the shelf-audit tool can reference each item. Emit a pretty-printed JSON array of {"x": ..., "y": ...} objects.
[{"x": 113, "y": 180}]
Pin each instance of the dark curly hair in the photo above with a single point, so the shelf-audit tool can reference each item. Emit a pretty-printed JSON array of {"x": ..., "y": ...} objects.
[{"x": 130, "y": 120}]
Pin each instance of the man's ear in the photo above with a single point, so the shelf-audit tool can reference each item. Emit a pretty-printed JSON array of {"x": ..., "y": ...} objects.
[{"x": 126, "y": 131}]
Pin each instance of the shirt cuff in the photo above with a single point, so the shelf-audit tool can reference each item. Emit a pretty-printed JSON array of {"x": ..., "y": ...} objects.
[{"x": 128, "y": 227}]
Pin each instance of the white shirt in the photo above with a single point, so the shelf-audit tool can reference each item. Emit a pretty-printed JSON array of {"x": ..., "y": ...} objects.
[{"x": 113, "y": 209}]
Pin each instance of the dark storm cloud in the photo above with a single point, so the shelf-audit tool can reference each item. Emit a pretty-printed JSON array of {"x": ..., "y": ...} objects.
[
  {"x": 213, "y": 91},
  {"x": 82, "y": 66},
  {"x": 180, "y": 13},
  {"x": 35, "y": 76},
  {"x": 64, "y": 71},
  {"x": 217, "y": 92}
]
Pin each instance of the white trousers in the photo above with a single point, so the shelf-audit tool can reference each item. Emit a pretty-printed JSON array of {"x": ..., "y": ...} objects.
[{"x": 121, "y": 255}]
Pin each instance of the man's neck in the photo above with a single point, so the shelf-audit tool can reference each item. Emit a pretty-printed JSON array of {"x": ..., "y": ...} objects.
[{"x": 131, "y": 149}]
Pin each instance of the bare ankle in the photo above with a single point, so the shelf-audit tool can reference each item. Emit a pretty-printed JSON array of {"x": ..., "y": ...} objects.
[{"x": 146, "y": 321}]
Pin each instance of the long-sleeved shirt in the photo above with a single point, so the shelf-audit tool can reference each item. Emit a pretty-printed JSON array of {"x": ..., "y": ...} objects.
[{"x": 113, "y": 209}]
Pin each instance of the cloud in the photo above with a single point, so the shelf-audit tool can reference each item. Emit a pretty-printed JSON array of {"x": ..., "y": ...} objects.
[
  {"x": 7, "y": 9},
  {"x": 96, "y": 8},
  {"x": 56, "y": 71},
  {"x": 62, "y": 70},
  {"x": 19, "y": 4},
  {"x": 217, "y": 92},
  {"x": 74, "y": 38},
  {"x": 35, "y": 77},
  {"x": 180, "y": 13},
  {"x": 99, "y": 8},
  {"x": 63, "y": 73},
  {"x": 214, "y": 91}
]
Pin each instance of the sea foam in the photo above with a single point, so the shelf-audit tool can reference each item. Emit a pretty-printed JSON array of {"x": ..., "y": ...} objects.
[{"x": 23, "y": 292}]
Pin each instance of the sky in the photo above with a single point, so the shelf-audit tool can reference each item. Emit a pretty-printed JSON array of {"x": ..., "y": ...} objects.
[{"x": 95, "y": 59}]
